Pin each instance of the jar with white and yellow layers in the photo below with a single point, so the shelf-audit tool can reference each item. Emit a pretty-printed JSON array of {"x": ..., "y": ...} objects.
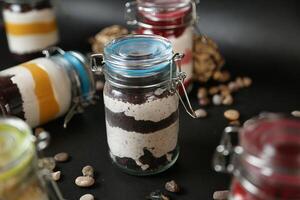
[
  {"x": 46, "y": 88},
  {"x": 30, "y": 27}
]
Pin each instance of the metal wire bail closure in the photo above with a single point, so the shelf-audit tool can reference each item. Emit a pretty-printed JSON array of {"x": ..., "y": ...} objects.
[{"x": 78, "y": 102}]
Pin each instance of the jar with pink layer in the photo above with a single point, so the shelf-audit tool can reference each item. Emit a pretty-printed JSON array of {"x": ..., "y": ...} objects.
[
  {"x": 266, "y": 163},
  {"x": 172, "y": 19}
]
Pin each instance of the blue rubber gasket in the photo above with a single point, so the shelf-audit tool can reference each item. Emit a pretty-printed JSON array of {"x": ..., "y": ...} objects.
[{"x": 81, "y": 71}]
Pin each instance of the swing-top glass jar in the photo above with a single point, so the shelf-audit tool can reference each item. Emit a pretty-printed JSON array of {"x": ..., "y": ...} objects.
[
  {"x": 30, "y": 27},
  {"x": 20, "y": 176},
  {"x": 141, "y": 103},
  {"x": 46, "y": 88},
  {"x": 172, "y": 19},
  {"x": 267, "y": 161}
]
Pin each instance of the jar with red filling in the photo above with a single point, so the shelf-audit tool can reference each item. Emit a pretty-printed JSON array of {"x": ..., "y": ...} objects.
[
  {"x": 266, "y": 163},
  {"x": 172, "y": 19}
]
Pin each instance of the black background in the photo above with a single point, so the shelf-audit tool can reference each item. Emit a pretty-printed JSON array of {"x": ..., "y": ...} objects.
[{"x": 258, "y": 38}]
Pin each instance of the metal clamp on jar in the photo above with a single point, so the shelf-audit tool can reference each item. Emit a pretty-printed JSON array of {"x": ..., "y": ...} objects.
[
  {"x": 20, "y": 176},
  {"x": 172, "y": 19},
  {"x": 141, "y": 102},
  {"x": 44, "y": 89},
  {"x": 265, "y": 163}
]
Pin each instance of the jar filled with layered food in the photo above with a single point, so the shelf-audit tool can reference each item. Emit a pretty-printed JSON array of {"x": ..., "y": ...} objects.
[
  {"x": 141, "y": 103},
  {"x": 46, "y": 88},
  {"x": 172, "y": 19},
  {"x": 20, "y": 176},
  {"x": 30, "y": 27},
  {"x": 266, "y": 163}
]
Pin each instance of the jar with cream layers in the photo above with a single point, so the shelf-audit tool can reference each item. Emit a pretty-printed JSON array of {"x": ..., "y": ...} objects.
[
  {"x": 172, "y": 19},
  {"x": 46, "y": 88},
  {"x": 30, "y": 27},
  {"x": 141, "y": 103},
  {"x": 20, "y": 176}
]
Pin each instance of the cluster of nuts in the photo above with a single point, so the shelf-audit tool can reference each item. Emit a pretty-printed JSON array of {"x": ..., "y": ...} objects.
[
  {"x": 207, "y": 58},
  {"x": 222, "y": 94},
  {"x": 105, "y": 36}
]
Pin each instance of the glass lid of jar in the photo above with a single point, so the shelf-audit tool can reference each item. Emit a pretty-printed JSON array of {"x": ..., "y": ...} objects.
[
  {"x": 166, "y": 5},
  {"x": 15, "y": 142},
  {"x": 138, "y": 55},
  {"x": 273, "y": 143}
]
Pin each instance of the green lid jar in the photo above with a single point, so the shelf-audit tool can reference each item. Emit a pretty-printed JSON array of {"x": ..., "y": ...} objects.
[{"x": 20, "y": 176}]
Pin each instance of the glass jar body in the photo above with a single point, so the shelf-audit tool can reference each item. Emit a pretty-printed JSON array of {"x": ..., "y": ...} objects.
[
  {"x": 30, "y": 27},
  {"x": 27, "y": 184},
  {"x": 37, "y": 91},
  {"x": 142, "y": 128}
]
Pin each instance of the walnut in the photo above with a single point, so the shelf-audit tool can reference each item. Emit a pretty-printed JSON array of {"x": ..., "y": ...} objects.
[
  {"x": 207, "y": 58},
  {"x": 105, "y": 36}
]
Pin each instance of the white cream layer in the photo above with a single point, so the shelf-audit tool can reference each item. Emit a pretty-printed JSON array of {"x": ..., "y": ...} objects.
[
  {"x": 31, "y": 43},
  {"x": 60, "y": 82},
  {"x": 43, "y": 15},
  {"x": 180, "y": 45},
  {"x": 131, "y": 144},
  {"x": 155, "y": 111}
]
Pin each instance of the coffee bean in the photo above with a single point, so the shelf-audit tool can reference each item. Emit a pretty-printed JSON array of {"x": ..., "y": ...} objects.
[
  {"x": 228, "y": 100},
  {"x": 47, "y": 163},
  {"x": 232, "y": 114},
  {"x": 202, "y": 93},
  {"x": 200, "y": 113},
  {"x": 247, "y": 81},
  {"x": 213, "y": 90},
  {"x": 221, "y": 195},
  {"x": 87, "y": 197},
  {"x": 296, "y": 113},
  {"x": 172, "y": 186},
  {"x": 239, "y": 82},
  {"x": 61, "y": 157},
  {"x": 84, "y": 181},
  {"x": 56, "y": 175},
  {"x": 217, "y": 99},
  {"x": 233, "y": 87},
  {"x": 88, "y": 171}
]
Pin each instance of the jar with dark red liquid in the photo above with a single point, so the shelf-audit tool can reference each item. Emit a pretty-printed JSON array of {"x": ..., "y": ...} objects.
[
  {"x": 172, "y": 19},
  {"x": 30, "y": 27},
  {"x": 266, "y": 164}
]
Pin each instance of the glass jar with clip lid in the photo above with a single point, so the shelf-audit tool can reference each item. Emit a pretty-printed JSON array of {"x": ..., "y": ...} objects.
[
  {"x": 21, "y": 178},
  {"x": 265, "y": 163},
  {"x": 141, "y": 102}
]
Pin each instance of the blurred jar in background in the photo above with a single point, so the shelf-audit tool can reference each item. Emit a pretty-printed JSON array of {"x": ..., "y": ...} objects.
[
  {"x": 172, "y": 19},
  {"x": 266, "y": 162},
  {"x": 46, "y": 88},
  {"x": 20, "y": 176},
  {"x": 30, "y": 27}
]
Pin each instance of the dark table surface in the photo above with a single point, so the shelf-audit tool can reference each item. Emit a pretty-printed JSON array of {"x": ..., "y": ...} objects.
[{"x": 259, "y": 39}]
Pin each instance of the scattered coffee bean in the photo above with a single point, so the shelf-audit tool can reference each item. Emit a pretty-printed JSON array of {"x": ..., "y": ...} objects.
[
  {"x": 202, "y": 93},
  {"x": 56, "y": 175},
  {"x": 87, "y": 197},
  {"x": 247, "y": 81},
  {"x": 232, "y": 115},
  {"x": 203, "y": 101},
  {"x": 61, "y": 157},
  {"x": 172, "y": 186},
  {"x": 217, "y": 99},
  {"x": 239, "y": 81},
  {"x": 296, "y": 113},
  {"x": 221, "y": 195},
  {"x": 233, "y": 87},
  {"x": 217, "y": 75},
  {"x": 200, "y": 113},
  {"x": 213, "y": 90},
  {"x": 228, "y": 100},
  {"x": 88, "y": 171},
  {"x": 235, "y": 123},
  {"x": 84, "y": 181},
  {"x": 225, "y": 76},
  {"x": 47, "y": 163}
]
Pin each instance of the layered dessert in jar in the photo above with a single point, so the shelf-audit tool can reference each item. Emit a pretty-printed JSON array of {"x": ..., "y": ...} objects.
[{"x": 30, "y": 27}]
